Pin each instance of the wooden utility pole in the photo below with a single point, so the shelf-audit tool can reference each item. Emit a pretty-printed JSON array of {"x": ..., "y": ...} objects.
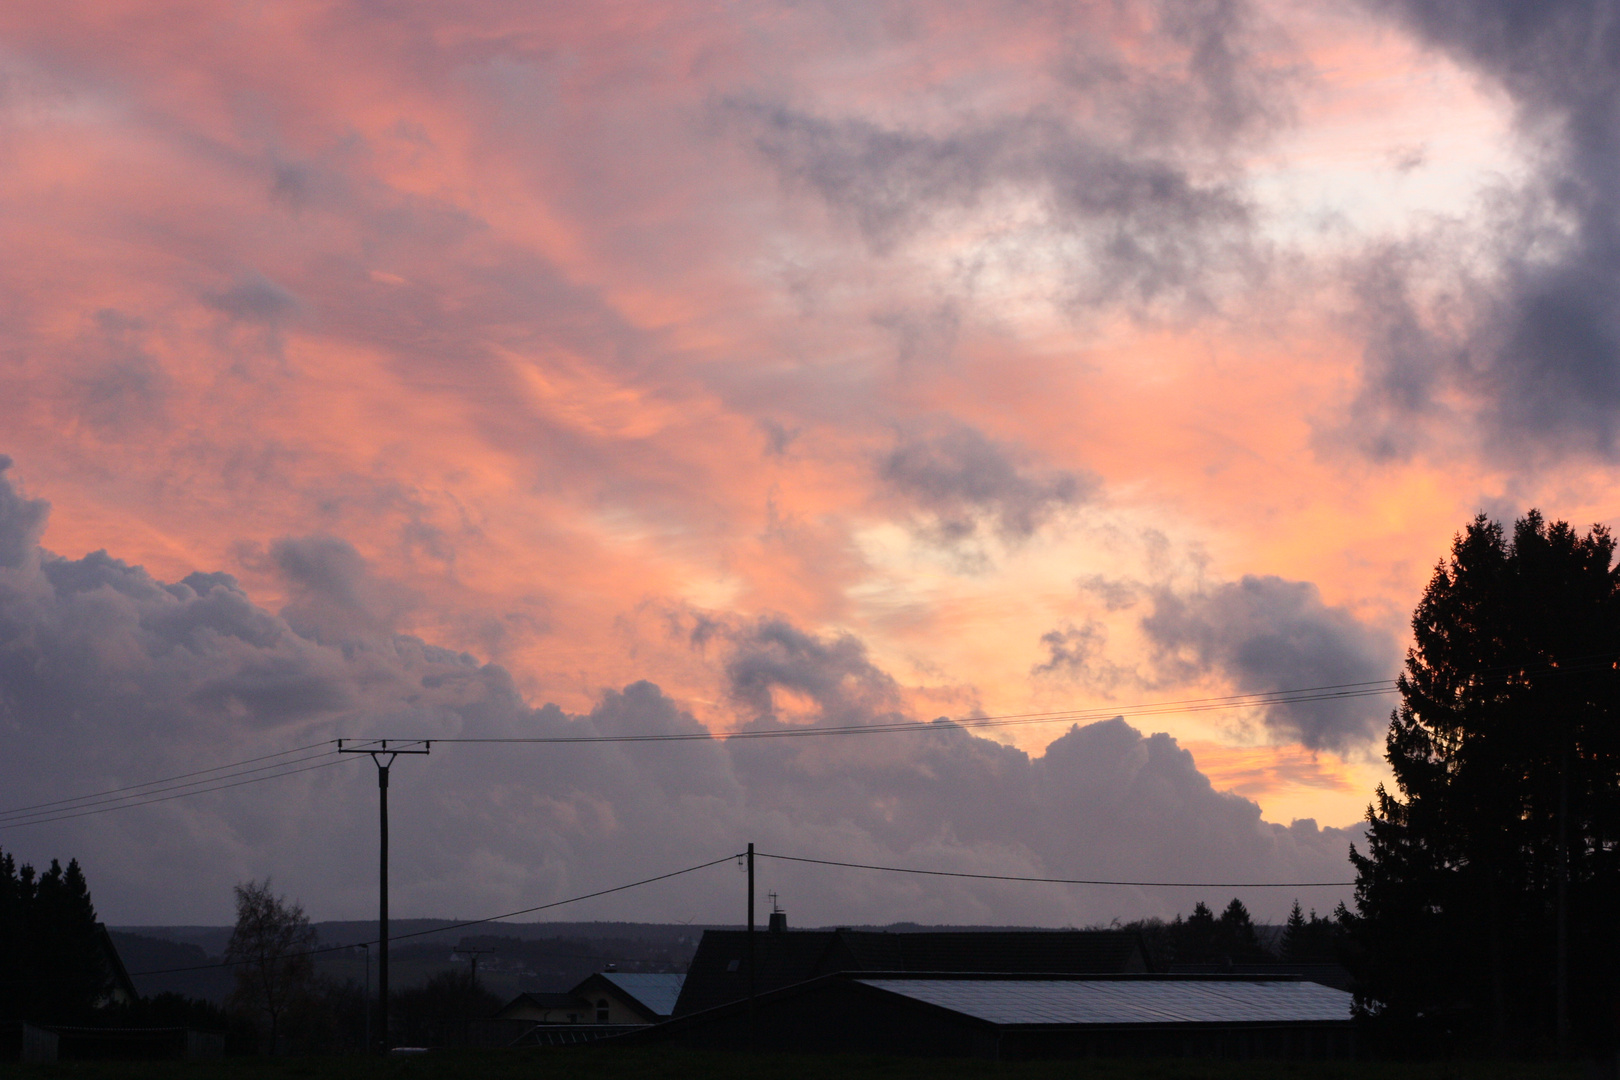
[
  {"x": 383, "y": 756},
  {"x": 753, "y": 984}
]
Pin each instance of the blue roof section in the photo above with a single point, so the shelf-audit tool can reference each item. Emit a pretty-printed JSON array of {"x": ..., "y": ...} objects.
[
  {"x": 1085, "y": 1001},
  {"x": 657, "y": 992}
]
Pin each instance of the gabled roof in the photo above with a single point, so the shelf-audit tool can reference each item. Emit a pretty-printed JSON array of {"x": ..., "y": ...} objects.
[
  {"x": 655, "y": 993},
  {"x": 719, "y": 970},
  {"x": 544, "y": 1000},
  {"x": 123, "y": 987}
]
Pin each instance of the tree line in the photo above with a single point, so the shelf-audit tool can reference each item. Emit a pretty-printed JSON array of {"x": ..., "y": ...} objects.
[{"x": 1222, "y": 942}]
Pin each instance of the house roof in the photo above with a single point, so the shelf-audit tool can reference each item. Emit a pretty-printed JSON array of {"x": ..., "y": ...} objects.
[
  {"x": 123, "y": 985},
  {"x": 542, "y": 1000},
  {"x": 1132, "y": 1001},
  {"x": 719, "y": 970},
  {"x": 657, "y": 993}
]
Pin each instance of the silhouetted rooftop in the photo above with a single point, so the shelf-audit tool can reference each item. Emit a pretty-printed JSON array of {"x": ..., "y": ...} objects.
[{"x": 719, "y": 970}]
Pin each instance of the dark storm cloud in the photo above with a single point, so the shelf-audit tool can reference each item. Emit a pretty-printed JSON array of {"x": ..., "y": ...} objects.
[
  {"x": 129, "y": 678},
  {"x": 961, "y": 477},
  {"x": 1541, "y": 353},
  {"x": 1268, "y": 634}
]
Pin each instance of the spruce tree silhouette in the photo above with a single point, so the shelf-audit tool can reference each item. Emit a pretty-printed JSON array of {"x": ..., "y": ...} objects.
[
  {"x": 1506, "y": 755},
  {"x": 53, "y": 964}
]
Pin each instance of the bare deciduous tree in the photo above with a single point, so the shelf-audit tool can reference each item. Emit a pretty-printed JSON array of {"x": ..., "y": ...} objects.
[{"x": 270, "y": 947}]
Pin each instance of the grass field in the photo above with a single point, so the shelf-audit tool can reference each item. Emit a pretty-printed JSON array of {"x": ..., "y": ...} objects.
[{"x": 642, "y": 1064}]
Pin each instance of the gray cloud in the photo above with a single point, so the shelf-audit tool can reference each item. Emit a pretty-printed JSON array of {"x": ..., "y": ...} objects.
[
  {"x": 962, "y": 478},
  {"x": 834, "y": 673},
  {"x": 1128, "y": 163},
  {"x": 1540, "y": 352},
  {"x": 1268, "y": 634},
  {"x": 255, "y": 298},
  {"x": 1147, "y": 228},
  {"x": 22, "y": 522},
  {"x": 109, "y": 676},
  {"x": 1077, "y": 653},
  {"x": 1114, "y": 595},
  {"x": 334, "y": 595}
]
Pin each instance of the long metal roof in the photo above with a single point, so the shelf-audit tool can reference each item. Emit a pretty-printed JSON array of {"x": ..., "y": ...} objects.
[{"x": 1084, "y": 1001}]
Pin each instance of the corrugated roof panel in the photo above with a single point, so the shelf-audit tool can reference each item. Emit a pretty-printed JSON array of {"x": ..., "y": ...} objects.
[
  {"x": 657, "y": 992},
  {"x": 1079, "y": 1001}
]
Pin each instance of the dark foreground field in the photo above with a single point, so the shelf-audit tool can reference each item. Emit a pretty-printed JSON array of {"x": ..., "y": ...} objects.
[{"x": 587, "y": 1064}]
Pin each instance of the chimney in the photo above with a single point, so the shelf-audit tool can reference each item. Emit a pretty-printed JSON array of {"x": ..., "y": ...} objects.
[{"x": 778, "y": 922}]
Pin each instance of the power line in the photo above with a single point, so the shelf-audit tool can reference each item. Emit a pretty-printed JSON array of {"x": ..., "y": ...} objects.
[
  {"x": 1064, "y": 881},
  {"x": 156, "y": 787},
  {"x": 461, "y": 925},
  {"x": 44, "y": 820},
  {"x": 781, "y": 858},
  {"x": 166, "y": 779},
  {"x": 1304, "y": 695}
]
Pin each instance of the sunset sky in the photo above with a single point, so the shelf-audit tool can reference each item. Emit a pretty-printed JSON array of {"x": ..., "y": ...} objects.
[{"x": 628, "y": 367}]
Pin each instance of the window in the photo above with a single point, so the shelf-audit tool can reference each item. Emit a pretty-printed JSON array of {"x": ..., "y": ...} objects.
[{"x": 602, "y": 1011}]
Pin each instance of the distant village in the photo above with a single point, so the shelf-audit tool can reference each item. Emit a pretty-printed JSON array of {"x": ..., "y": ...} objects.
[{"x": 1206, "y": 985}]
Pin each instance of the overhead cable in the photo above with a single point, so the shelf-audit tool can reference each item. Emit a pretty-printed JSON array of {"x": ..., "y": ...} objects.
[
  {"x": 1062, "y": 881},
  {"x": 166, "y": 779},
  {"x": 75, "y": 812}
]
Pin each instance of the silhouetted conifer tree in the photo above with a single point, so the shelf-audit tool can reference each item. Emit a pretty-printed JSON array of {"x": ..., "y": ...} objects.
[
  {"x": 1506, "y": 753},
  {"x": 53, "y": 963},
  {"x": 1235, "y": 939},
  {"x": 1193, "y": 939}
]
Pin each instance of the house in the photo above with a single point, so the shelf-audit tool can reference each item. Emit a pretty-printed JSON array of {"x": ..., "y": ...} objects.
[
  {"x": 122, "y": 989},
  {"x": 719, "y": 970},
  {"x": 617, "y": 997},
  {"x": 1005, "y": 1016},
  {"x": 561, "y": 1007},
  {"x": 603, "y": 1004},
  {"x": 607, "y": 997}
]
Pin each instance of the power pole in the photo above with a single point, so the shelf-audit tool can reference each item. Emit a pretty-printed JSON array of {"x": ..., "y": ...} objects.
[
  {"x": 367, "y": 999},
  {"x": 752, "y": 982},
  {"x": 379, "y": 751},
  {"x": 1562, "y": 966},
  {"x": 473, "y": 955}
]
